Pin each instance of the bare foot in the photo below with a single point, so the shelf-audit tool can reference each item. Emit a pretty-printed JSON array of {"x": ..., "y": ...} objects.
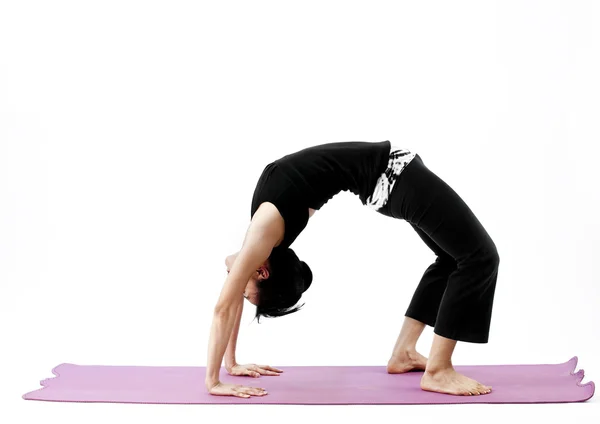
[
  {"x": 448, "y": 381},
  {"x": 406, "y": 361}
]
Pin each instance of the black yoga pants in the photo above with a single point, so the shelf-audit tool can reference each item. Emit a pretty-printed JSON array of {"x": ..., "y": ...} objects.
[{"x": 456, "y": 292}]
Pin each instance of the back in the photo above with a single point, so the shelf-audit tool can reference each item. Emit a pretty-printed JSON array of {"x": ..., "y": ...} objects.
[
  {"x": 310, "y": 177},
  {"x": 322, "y": 171}
]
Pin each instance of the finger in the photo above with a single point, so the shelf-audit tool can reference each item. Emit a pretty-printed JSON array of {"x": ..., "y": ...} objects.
[
  {"x": 252, "y": 373},
  {"x": 243, "y": 395},
  {"x": 253, "y": 391},
  {"x": 270, "y": 368},
  {"x": 265, "y": 372},
  {"x": 240, "y": 391}
]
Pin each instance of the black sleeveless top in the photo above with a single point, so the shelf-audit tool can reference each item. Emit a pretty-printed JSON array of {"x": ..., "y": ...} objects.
[{"x": 312, "y": 176}]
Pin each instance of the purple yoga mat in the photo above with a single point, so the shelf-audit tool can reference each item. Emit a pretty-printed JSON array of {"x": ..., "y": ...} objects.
[{"x": 310, "y": 385}]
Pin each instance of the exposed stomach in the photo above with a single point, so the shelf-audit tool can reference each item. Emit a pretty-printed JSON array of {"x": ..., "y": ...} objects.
[{"x": 311, "y": 212}]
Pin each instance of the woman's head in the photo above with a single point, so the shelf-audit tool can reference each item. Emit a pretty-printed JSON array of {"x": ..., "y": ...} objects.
[{"x": 279, "y": 284}]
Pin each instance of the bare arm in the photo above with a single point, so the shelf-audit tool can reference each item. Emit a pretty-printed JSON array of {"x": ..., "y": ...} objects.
[
  {"x": 230, "y": 360},
  {"x": 265, "y": 230},
  {"x": 230, "y": 352}
]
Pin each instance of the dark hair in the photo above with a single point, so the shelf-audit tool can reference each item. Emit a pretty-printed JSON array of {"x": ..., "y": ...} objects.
[{"x": 289, "y": 277}]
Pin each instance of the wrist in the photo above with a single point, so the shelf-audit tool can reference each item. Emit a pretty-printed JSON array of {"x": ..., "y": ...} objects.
[
  {"x": 229, "y": 364},
  {"x": 210, "y": 383}
]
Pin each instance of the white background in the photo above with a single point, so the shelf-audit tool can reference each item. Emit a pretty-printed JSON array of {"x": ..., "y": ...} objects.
[{"x": 132, "y": 134}]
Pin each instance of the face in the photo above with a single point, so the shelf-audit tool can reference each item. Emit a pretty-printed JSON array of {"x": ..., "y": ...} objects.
[{"x": 251, "y": 291}]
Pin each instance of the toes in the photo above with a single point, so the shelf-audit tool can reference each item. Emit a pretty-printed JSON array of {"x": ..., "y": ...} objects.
[
  {"x": 483, "y": 389},
  {"x": 486, "y": 389}
]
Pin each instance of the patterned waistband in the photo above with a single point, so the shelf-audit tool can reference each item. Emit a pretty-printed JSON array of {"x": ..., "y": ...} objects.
[{"x": 399, "y": 158}]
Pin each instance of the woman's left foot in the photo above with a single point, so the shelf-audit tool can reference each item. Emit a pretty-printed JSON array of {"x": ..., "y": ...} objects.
[{"x": 406, "y": 361}]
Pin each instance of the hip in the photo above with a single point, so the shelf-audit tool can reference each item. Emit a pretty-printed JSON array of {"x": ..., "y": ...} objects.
[{"x": 399, "y": 159}]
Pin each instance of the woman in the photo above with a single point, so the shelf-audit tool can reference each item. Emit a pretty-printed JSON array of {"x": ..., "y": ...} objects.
[{"x": 454, "y": 296}]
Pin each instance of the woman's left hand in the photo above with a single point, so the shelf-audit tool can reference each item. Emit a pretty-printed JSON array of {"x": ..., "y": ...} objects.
[{"x": 253, "y": 370}]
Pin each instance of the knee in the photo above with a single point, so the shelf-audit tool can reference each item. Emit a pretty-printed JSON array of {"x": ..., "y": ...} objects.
[
  {"x": 490, "y": 256},
  {"x": 445, "y": 261}
]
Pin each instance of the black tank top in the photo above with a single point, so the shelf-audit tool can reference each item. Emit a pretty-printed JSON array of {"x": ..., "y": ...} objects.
[{"x": 312, "y": 176}]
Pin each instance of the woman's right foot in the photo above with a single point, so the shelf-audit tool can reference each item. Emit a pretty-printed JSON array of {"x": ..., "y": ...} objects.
[{"x": 448, "y": 381}]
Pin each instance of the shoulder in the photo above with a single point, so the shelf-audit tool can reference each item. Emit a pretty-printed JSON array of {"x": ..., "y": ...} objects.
[
  {"x": 266, "y": 211},
  {"x": 268, "y": 221}
]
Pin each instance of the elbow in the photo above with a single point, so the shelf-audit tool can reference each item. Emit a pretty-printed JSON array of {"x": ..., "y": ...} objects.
[
  {"x": 228, "y": 308},
  {"x": 223, "y": 310},
  {"x": 219, "y": 311}
]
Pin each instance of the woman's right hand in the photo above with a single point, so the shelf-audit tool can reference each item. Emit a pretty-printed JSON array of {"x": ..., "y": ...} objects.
[
  {"x": 226, "y": 389},
  {"x": 253, "y": 370}
]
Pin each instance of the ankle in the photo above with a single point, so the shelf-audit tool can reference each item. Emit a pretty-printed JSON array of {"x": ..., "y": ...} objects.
[
  {"x": 405, "y": 351},
  {"x": 438, "y": 367}
]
